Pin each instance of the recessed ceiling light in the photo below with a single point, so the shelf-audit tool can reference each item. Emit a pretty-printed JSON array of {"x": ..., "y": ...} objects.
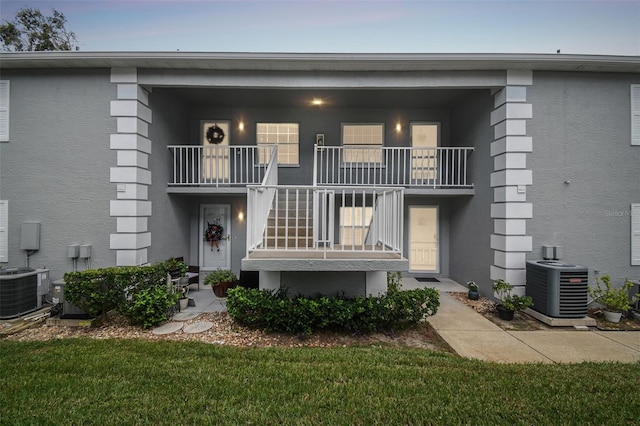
[{"x": 317, "y": 101}]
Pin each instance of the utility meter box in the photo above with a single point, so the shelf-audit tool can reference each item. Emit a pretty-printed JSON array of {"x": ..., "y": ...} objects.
[{"x": 30, "y": 236}]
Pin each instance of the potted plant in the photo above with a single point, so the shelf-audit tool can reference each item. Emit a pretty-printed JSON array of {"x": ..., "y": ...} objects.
[
  {"x": 509, "y": 303},
  {"x": 616, "y": 301},
  {"x": 221, "y": 280},
  {"x": 183, "y": 300},
  {"x": 473, "y": 291}
]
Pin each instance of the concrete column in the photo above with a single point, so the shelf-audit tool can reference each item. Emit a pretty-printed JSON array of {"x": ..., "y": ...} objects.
[
  {"x": 131, "y": 173},
  {"x": 510, "y": 179}
]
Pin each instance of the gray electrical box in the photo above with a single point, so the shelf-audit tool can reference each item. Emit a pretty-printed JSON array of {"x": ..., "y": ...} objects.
[
  {"x": 85, "y": 251},
  {"x": 30, "y": 236},
  {"x": 73, "y": 251}
]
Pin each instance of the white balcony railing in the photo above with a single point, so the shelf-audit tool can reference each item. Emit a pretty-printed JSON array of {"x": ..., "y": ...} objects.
[
  {"x": 441, "y": 167},
  {"x": 219, "y": 165},
  {"x": 325, "y": 219}
]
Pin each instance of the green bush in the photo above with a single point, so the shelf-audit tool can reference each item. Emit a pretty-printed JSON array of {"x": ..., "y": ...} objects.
[
  {"x": 130, "y": 290},
  {"x": 149, "y": 307},
  {"x": 275, "y": 311}
]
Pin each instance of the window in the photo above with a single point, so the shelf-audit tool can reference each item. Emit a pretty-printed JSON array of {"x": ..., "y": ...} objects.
[
  {"x": 4, "y": 110},
  {"x": 362, "y": 143},
  {"x": 4, "y": 216},
  {"x": 635, "y": 114},
  {"x": 285, "y": 135},
  {"x": 635, "y": 234},
  {"x": 354, "y": 225}
]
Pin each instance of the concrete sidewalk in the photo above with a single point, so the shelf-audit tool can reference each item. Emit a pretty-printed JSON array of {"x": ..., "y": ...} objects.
[{"x": 471, "y": 335}]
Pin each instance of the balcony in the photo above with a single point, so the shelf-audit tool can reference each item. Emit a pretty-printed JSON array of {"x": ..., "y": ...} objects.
[
  {"x": 298, "y": 228},
  {"x": 441, "y": 170},
  {"x": 218, "y": 168}
]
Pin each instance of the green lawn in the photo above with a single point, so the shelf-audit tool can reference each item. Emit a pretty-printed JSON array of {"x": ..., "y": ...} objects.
[{"x": 105, "y": 382}]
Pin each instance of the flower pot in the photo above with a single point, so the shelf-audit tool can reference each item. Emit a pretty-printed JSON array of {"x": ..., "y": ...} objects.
[
  {"x": 220, "y": 290},
  {"x": 505, "y": 314},
  {"x": 473, "y": 295},
  {"x": 612, "y": 316},
  {"x": 184, "y": 302}
]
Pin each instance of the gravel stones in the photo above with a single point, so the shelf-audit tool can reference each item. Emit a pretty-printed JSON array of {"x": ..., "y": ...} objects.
[{"x": 198, "y": 327}]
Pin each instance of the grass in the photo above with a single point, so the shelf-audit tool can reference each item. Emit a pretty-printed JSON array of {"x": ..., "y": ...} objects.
[{"x": 84, "y": 381}]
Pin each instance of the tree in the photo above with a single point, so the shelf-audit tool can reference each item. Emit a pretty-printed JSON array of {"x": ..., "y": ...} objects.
[{"x": 32, "y": 31}]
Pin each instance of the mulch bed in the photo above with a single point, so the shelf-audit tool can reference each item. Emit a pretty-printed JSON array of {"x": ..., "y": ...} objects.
[{"x": 522, "y": 321}]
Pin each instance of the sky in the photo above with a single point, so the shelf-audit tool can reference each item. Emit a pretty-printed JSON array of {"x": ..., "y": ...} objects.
[{"x": 355, "y": 26}]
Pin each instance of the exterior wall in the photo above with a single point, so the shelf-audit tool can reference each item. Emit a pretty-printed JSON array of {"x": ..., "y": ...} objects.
[
  {"x": 169, "y": 223},
  {"x": 470, "y": 217},
  {"x": 585, "y": 171},
  {"x": 55, "y": 169}
]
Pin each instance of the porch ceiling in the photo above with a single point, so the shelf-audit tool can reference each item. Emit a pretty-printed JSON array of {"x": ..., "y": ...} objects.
[{"x": 301, "y": 98}]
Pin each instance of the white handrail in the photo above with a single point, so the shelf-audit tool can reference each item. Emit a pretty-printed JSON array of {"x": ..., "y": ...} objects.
[
  {"x": 438, "y": 167},
  {"x": 216, "y": 165},
  {"x": 303, "y": 218},
  {"x": 260, "y": 201}
]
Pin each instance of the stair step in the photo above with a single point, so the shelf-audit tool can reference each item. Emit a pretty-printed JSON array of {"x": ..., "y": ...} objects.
[{"x": 291, "y": 232}]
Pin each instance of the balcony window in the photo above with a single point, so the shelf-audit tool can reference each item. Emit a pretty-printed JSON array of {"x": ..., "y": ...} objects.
[
  {"x": 362, "y": 143},
  {"x": 354, "y": 225},
  {"x": 285, "y": 135}
]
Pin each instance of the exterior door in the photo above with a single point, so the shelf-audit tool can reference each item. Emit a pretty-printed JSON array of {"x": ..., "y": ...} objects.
[
  {"x": 424, "y": 140},
  {"x": 215, "y": 156},
  {"x": 423, "y": 239},
  {"x": 214, "y": 253}
]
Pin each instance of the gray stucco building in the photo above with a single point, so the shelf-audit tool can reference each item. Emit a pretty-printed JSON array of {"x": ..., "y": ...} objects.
[{"x": 333, "y": 168}]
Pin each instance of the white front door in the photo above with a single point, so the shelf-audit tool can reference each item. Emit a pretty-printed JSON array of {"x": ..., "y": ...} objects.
[
  {"x": 423, "y": 239},
  {"x": 215, "y": 253},
  {"x": 424, "y": 159},
  {"x": 215, "y": 155}
]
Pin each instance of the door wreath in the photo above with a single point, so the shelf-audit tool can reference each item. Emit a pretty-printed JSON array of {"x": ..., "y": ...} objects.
[
  {"x": 215, "y": 134},
  {"x": 213, "y": 234}
]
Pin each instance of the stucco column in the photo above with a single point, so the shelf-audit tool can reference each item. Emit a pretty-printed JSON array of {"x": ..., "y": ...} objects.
[
  {"x": 131, "y": 175},
  {"x": 510, "y": 180}
]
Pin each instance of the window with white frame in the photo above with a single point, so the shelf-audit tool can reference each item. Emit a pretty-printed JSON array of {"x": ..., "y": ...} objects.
[
  {"x": 4, "y": 234},
  {"x": 354, "y": 225},
  {"x": 635, "y": 114},
  {"x": 635, "y": 234},
  {"x": 285, "y": 136},
  {"x": 362, "y": 143},
  {"x": 4, "y": 110}
]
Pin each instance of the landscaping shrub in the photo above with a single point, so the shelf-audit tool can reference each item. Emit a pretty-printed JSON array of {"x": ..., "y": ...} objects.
[
  {"x": 149, "y": 306},
  {"x": 275, "y": 311},
  {"x": 138, "y": 292}
]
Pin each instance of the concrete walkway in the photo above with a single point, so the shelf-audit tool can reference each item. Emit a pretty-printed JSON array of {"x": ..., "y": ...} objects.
[{"x": 471, "y": 335}]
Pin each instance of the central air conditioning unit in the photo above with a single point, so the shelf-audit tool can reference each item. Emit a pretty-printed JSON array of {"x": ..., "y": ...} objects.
[
  {"x": 22, "y": 290},
  {"x": 558, "y": 289}
]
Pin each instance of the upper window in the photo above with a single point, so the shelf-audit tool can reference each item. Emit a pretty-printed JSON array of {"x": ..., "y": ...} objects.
[
  {"x": 362, "y": 143},
  {"x": 4, "y": 220},
  {"x": 285, "y": 135},
  {"x": 635, "y": 114},
  {"x": 4, "y": 110},
  {"x": 635, "y": 234}
]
